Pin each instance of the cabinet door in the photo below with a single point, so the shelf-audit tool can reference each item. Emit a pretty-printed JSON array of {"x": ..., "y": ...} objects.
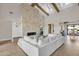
[
  {"x": 19, "y": 30},
  {"x": 16, "y": 30}
]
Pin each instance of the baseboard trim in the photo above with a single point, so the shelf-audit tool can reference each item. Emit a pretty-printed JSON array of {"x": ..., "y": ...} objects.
[
  {"x": 16, "y": 37},
  {"x": 5, "y": 39},
  {"x": 4, "y": 42}
]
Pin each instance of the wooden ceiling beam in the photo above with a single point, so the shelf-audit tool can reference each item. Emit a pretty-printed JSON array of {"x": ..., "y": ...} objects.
[
  {"x": 33, "y": 4},
  {"x": 55, "y": 6},
  {"x": 36, "y": 4}
]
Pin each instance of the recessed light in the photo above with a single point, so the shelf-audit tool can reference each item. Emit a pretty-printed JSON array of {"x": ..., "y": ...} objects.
[{"x": 10, "y": 12}]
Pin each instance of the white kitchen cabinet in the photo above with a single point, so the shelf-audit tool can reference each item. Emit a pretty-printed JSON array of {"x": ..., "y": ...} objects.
[{"x": 16, "y": 29}]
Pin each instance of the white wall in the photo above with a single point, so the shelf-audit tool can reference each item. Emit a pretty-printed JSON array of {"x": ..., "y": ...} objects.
[
  {"x": 69, "y": 14},
  {"x": 5, "y": 30},
  {"x": 6, "y": 19}
]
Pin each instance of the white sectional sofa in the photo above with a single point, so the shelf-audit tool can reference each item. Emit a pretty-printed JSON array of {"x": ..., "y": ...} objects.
[{"x": 44, "y": 47}]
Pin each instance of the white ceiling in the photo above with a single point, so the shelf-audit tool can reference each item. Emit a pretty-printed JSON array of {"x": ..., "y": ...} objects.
[{"x": 48, "y": 7}]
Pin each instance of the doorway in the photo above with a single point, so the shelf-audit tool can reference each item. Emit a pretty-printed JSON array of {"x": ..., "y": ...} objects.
[{"x": 51, "y": 28}]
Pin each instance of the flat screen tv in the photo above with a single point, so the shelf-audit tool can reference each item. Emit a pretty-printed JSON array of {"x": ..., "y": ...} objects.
[{"x": 31, "y": 33}]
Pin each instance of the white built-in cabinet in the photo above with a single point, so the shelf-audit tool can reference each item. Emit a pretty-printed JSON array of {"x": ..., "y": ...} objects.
[{"x": 16, "y": 29}]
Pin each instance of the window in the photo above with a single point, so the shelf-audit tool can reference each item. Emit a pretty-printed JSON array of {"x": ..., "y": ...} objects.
[{"x": 73, "y": 28}]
